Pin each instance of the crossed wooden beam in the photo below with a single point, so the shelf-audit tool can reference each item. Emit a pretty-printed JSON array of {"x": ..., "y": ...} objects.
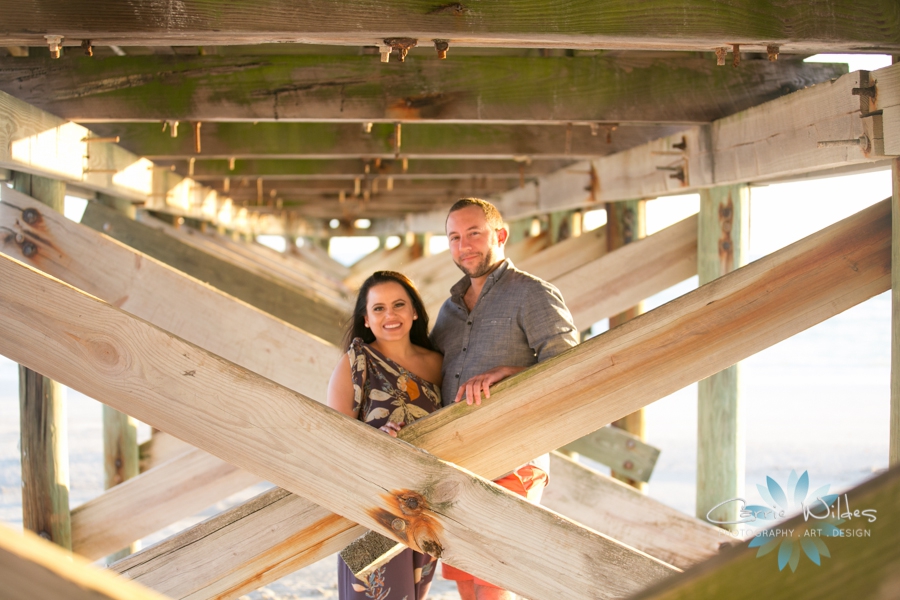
[{"x": 801, "y": 310}]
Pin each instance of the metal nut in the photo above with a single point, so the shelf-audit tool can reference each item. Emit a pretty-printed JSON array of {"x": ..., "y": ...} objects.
[
  {"x": 29, "y": 249},
  {"x": 398, "y": 525}
]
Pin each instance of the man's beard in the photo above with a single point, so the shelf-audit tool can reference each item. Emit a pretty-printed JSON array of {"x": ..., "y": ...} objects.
[{"x": 485, "y": 266}]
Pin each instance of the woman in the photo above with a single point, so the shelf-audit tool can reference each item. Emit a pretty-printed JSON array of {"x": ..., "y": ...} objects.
[{"x": 389, "y": 376}]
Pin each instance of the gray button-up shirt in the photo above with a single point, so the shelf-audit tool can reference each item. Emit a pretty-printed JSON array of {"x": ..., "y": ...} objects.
[{"x": 518, "y": 320}]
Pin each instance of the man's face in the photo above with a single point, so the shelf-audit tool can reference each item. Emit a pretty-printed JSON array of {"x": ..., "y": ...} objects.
[{"x": 475, "y": 247}]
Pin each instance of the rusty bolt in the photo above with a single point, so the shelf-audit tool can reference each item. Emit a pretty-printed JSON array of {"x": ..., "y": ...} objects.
[
  {"x": 629, "y": 444},
  {"x": 628, "y": 465},
  {"x": 720, "y": 56},
  {"x": 441, "y": 46},
  {"x": 398, "y": 525},
  {"x": 412, "y": 503},
  {"x": 31, "y": 216},
  {"x": 772, "y": 52},
  {"x": 29, "y": 249},
  {"x": 87, "y": 47},
  {"x": 865, "y": 92},
  {"x": 54, "y": 43},
  {"x": 735, "y": 55},
  {"x": 45, "y": 535}
]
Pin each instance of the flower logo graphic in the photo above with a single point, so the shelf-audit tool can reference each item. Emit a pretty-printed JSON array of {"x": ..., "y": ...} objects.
[{"x": 780, "y": 503}]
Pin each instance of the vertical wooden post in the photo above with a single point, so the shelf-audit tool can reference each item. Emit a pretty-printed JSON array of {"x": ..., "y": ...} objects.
[
  {"x": 121, "y": 457},
  {"x": 894, "y": 457},
  {"x": 722, "y": 241},
  {"x": 626, "y": 222},
  {"x": 564, "y": 224},
  {"x": 42, "y": 418}
]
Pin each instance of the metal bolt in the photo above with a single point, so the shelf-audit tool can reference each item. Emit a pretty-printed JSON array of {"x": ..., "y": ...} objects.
[
  {"x": 865, "y": 92},
  {"x": 736, "y": 55},
  {"x": 441, "y": 46},
  {"x": 385, "y": 51},
  {"x": 29, "y": 249},
  {"x": 772, "y": 52},
  {"x": 107, "y": 227},
  {"x": 87, "y": 47},
  {"x": 628, "y": 465},
  {"x": 20, "y": 238},
  {"x": 54, "y": 42},
  {"x": 862, "y": 141},
  {"x": 720, "y": 56},
  {"x": 412, "y": 503},
  {"x": 398, "y": 525},
  {"x": 630, "y": 444},
  {"x": 45, "y": 535}
]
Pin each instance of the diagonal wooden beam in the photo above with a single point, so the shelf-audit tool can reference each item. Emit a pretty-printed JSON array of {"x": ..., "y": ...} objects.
[
  {"x": 862, "y": 562},
  {"x": 279, "y": 434},
  {"x": 633, "y": 365},
  {"x": 644, "y": 89},
  {"x": 654, "y": 25},
  {"x": 280, "y": 299},
  {"x": 31, "y": 567}
]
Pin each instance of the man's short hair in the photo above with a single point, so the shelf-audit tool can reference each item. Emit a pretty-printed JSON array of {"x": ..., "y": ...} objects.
[{"x": 491, "y": 214}]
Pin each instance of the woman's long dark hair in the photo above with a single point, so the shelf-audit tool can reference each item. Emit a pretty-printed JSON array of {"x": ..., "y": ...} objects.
[{"x": 356, "y": 328}]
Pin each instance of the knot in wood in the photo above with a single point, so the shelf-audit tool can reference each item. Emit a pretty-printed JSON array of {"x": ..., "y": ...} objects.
[
  {"x": 411, "y": 503},
  {"x": 31, "y": 216}
]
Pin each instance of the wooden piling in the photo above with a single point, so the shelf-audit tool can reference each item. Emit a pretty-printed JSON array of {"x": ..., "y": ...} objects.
[
  {"x": 42, "y": 418},
  {"x": 626, "y": 222},
  {"x": 895, "y": 314},
  {"x": 722, "y": 241}
]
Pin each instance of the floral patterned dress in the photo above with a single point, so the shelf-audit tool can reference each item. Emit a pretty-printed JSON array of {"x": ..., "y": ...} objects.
[{"x": 386, "y": 392}]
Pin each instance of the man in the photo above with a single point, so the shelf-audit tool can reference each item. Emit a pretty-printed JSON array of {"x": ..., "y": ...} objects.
[{"x": 497, "y": 322}]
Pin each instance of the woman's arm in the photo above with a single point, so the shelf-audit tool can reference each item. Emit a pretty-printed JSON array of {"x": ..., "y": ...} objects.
[{"x": 340, "y": 389}]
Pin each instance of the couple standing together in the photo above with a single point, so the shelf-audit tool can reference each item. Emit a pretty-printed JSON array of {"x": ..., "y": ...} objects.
[{"x": 497, "y": 322}]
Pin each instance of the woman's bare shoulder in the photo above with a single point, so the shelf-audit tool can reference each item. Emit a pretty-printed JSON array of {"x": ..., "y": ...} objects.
[{"x": 433, "y": 362}]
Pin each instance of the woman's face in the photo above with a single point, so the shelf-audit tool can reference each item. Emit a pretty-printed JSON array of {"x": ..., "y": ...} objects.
[{"x": 389, "y": 311}]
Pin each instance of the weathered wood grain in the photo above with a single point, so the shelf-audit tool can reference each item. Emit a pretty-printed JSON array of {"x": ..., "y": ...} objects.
[
  {"x": 618, "y": 449},
  {"x": 723, "y": 242},
  {"x": 281, "y": 300},
  {"x": 168, "y": 298},
  {"x": 197, "y": 396},
  {"x": 605, "y": 504},
  {"x": 347, "y": 140},
  {"x": 894, "y": 450},
  {"x": 484, "y": 89},
  {"x": 863, "y": 566},
  {"x": 33, "y": 568},
  {"x": 654, "y": 25},
  {"x": 692, "y": 337}
]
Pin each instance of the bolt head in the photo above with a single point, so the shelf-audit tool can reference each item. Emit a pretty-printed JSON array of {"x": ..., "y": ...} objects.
[
  {"x": 29, "y": 249},
  {"x": 107, "y": 227},
  {"x": 20, "y": 238},
  {"x": 628, "y": 465},
  {"x": 398, "y": 525},
  {"x": 630, "y": 444},
  {"x": 31, "y": 216}
]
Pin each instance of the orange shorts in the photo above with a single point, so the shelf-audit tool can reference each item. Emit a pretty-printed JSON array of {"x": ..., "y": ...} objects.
[{"x": 529, "y": 481}]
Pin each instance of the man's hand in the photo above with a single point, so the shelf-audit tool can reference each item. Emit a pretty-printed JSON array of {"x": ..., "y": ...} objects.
[
  {"x": 391, "y": 428},
  {"x": 473, "y": 388}
]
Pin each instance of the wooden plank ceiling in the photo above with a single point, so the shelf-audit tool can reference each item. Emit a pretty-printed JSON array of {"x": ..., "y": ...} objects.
[{"x": 319, "y": 126}]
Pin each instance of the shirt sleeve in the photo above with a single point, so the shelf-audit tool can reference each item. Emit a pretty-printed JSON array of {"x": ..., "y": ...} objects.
[{"x": 547, "y": 322}]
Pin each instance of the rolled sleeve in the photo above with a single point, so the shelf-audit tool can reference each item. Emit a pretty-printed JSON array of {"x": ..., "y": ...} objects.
[{"x": 546, "y": 321}]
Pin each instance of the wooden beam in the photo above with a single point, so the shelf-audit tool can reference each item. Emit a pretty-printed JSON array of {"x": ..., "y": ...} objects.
[
  {"x": 153, "y": 500},
  {"x": 654, "y": 25},
  {"x": 894, "y": 451},
  {"x": 33, "y": 568},
  {"x": 287, "y": 302},
  {"x": 772, "y": 141},
  {"x": 208, "y": 170},
  {"x": 605, "y": 504},
  {"x": 312, "y": 283},
  {"x": 168, "y": 298},
  {"x": 858, "y": 565},
  {"x": 36, "y": 142},
  {"x": 723, "y": 242},
  {"x": 683, "y": 341},
  {"x": 43, "y": 430},
  {"x": 617, "y": 448},
  {"x": 605, "y": 88},
  {"x": 199, "y": 397},
  {"x": 347, "y": 140}
]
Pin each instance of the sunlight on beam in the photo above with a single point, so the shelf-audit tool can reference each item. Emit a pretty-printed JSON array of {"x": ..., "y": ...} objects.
[
  {"x": 138, "y": 176},
  {"x": 59, "y": 150}
]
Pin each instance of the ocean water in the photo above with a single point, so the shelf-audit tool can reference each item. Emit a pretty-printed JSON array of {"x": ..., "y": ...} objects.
[{"x": 817, "y": 402}]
